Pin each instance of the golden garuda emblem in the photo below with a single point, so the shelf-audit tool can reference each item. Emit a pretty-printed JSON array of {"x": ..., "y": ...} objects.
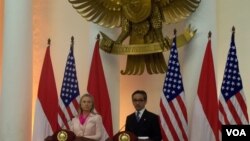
[
  {"x": 62, "y": 136},
  {"x": 141, "y": 21}
]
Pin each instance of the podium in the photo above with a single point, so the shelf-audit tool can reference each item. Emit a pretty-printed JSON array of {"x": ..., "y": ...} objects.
[{"x": 66, "y": 135}]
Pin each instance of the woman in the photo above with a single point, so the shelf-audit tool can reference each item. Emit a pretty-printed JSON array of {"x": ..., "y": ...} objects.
[{"x": 88, "y": 123}]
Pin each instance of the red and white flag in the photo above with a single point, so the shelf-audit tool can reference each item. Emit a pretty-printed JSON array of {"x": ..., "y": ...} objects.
[
  {"x": 98, "y": 88},
  {"x": 205, "y": 120},
  {"x": 70, "y": 95},
  {"x": 173, "y": 113},
  {"x": 45, "y": 122},
  {"x": 232, "y": 102}
]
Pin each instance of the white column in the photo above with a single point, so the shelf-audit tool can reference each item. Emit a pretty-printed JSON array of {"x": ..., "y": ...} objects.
[
  {"x": 1, "y": 54},
  {"x": 1, "y": 44},
  {"x": 17, "y": 71}
]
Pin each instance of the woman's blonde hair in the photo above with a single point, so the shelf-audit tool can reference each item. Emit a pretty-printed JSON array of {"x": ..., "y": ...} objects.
[{"x": 92, "y": 100}]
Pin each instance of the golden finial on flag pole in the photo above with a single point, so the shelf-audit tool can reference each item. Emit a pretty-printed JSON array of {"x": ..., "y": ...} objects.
[
  {"x": 72, "y": 42},
  {"x": 49, "y": 42},
  {"x": 209, "y": 35},
  {"x": 233, "y": 29},
  {"x": 72, "y": 39},
  {"x": 233, "y": 33},
  {"x": 98, "y": 36},
  {"x": 175, "y": 31}
]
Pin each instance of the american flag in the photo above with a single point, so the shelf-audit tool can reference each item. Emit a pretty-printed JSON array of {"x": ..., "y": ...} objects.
[
  {"x": 70, "y": 94},
  {"x": 232, "y": 102},
  {"x": 173, "y": 114}
]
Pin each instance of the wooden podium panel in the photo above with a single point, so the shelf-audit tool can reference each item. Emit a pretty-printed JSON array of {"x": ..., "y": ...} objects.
[{"x": 125, "y": 136}]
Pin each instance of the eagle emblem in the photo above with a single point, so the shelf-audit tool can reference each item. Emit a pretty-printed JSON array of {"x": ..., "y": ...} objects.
[{"x": 141, "y": 21}]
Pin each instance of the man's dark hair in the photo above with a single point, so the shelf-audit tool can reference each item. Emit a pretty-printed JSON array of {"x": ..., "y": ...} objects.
[{"x": 142, "y": 92}]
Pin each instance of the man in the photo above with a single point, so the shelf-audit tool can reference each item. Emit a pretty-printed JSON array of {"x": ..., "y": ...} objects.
[{"x": 142, "y": 122}]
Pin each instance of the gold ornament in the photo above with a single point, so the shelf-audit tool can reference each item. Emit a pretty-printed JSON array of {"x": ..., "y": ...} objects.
[
  {"x": 124, "y": 137},
  {"x": 141, "y": 20},
  {"x": 62, "y": 136}
]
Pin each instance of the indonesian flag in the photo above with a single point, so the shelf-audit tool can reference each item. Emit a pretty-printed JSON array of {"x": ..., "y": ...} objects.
[
  {"x": 205, "y": 121},
  {"x": 45, "y": 123},
  {"x": 98, "y": 88}
]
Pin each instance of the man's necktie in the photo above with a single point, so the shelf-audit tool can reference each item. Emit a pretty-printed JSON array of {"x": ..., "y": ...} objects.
[{"x": 138, "y": 116}]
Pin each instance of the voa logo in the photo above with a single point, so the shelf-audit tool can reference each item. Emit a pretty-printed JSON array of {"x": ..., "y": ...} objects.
[{"x": 236, "y": 132}]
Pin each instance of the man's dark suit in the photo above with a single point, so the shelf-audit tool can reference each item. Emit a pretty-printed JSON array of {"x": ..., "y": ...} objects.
[{"x": 148, "y": 125}]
